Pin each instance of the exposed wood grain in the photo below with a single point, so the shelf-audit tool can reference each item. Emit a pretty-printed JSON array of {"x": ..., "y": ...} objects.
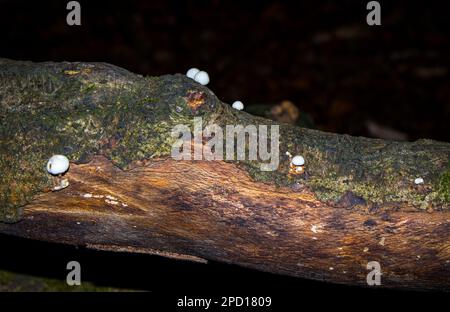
[{"x": 213, "y": 210}]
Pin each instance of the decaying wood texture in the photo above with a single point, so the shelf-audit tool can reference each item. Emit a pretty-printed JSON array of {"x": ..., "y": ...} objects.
[{"x": 356, "y": 202}]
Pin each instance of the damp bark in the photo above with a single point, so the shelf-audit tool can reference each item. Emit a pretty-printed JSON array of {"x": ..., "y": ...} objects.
[{"x": 114, "y": 126}]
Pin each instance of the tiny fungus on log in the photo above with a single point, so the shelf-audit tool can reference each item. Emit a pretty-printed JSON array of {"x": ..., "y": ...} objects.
[
  {"x": 238, "y": 105},
  {"x": 202, "y": 77},
  {"x": 57, "y": 164},
  {"x": 192, "y": 72},
  {"x": 356, "y": 202}
]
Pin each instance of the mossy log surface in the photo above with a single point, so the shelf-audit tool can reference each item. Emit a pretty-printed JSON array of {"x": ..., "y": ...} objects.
[{"x": 356, "y": 201}]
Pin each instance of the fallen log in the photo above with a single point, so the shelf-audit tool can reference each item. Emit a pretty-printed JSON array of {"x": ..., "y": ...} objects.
[{"x": 355, "y": 201}]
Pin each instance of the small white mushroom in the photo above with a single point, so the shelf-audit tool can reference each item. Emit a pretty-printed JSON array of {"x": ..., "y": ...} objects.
[
  {"x": 298, "y": 160},
  {"x": 57, "y": 164},
  {"x": 238, "y": 105},
  {"x": 202, "y": 77},
  {"x": 418, "y": 181},
  {"x": 192, "y": 72}
]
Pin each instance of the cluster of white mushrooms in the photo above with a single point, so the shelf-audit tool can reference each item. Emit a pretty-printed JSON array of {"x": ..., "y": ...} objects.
[
  {"x": 202, "y": 78},
  {"x": 198, "y": 75},
  {"x": 297, "y": 162}
]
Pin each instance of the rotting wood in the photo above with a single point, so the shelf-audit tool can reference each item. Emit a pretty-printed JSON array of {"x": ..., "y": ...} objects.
[{"x": 357, "y": 201}]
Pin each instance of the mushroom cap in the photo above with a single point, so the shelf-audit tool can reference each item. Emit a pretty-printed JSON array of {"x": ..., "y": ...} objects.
[
  {"x": 192, "y": 72},
  {"x": 202, "y": 77},
  {"x": 57, "y": 164},
  {"x": 238, "y": 105},
  {"x": 298, "y": 160},
  {"x": 418, "y": 181}
]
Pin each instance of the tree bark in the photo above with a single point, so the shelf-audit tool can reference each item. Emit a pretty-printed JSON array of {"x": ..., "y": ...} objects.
[{"x": 355, "y": 202}]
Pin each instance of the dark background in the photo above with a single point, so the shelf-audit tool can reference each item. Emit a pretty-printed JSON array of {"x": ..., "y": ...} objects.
[{"x": 320, "y": 55}]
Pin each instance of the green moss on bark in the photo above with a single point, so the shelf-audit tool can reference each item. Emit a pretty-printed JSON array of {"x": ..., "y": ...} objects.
[
  {"x": 82, "y": 109},
  {"x": 377, "y": 170},
  {"x": 443, "y": 186}
]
